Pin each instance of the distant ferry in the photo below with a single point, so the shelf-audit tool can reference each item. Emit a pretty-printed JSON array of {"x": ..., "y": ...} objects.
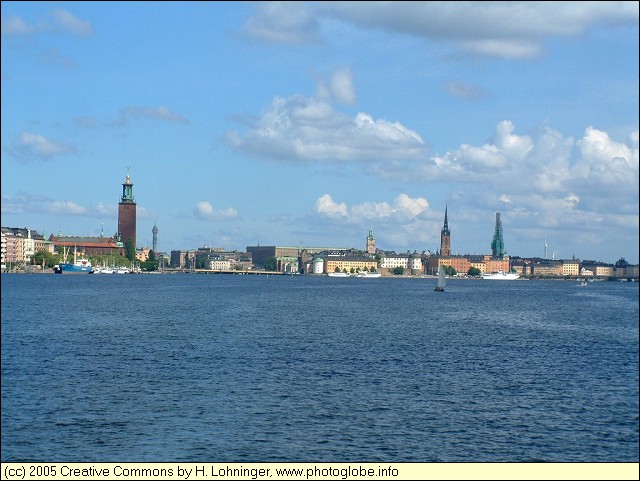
[
  {"x": 369, "y": 274},
  {"x": 338, "y": 274},
  {"x": 501, "y": 276}
]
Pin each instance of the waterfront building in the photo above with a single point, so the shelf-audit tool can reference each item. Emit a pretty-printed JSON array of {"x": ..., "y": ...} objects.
[
  {"x": 181, "y": 259},
  {"x": 87, "y": 246},
  {"x": 571, "y": 267},
  {"x": 599, "y": 269},
  {"x": 19, "y": 245},
  {"x": 127, "y": 213},
  {"x": 142, "y": 254},
  {"x": 496, "y": 264},
  {"x": 219, "y": 264},
  {"x": 288, "y": 258},
  {"x": 219, "y": 259},
  {"x": 391, "y": 260},
  {"x": 412, "y": 262},
  {"x": 347, "y": 262},
  {"x": 548, "y": 268}
]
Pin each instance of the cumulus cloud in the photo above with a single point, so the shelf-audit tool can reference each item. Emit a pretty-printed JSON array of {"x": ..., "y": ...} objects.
[
  {"x": 402, "y": 209},
  {"x": 542, "y": 180},
  {"x": 606, "y": 161},
  {"x": 30, "y": 146},
  {"x": 283, "y": 22},
  {"x": 471, "y": 26},
  {"x": 548, "y": 162},
  {"x": 307, "y": 129},
  {"x": 204, "y": 210}
]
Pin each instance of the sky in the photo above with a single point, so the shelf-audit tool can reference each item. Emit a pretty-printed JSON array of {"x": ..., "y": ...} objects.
[{"x": 310, "y": 123}]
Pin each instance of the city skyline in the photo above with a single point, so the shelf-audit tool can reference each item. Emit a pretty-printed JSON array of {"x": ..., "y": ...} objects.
[{"x": 309, "y": 124}]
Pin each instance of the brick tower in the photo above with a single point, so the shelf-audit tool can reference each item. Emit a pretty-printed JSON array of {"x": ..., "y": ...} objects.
[{"x": 127, "y": 213}]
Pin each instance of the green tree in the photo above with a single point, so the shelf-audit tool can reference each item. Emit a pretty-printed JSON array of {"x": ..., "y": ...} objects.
[
  {"x": 149, "y": 266},
  {"x": 49, "y": 259},
  {"x": 450, "y": 271},
  {"x": 398, "y": 271},
  {"x": 271, "y": 264},
  {"x": 474, "y": 272},
  {"x": 152, "y": 256},
  {"x": 130, "y": 250}
]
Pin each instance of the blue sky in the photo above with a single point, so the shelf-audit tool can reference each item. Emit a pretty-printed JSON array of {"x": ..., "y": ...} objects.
[{"x": 309, "y": 123}]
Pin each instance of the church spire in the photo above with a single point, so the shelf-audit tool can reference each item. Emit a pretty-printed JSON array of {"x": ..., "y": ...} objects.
[
  {"x": 445, "y": 229},
  {"x": 445, "y": 237}
]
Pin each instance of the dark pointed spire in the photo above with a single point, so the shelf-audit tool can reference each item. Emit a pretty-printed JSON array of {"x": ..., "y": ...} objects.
[{"x": 445, "y": 229}]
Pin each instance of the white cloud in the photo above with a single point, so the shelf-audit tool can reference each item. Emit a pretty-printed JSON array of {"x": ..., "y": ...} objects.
[
  {"x": 71, "y": 23},
  {"x": 15, "y": 26},
  {"x": 469, "y": 25},
  {"x": 403, "y": 209},
  {"x": 307, "y": 129},
  {"x": 327, "y": 207},
  {"x": 29, "y": 146},
  {"x": 66, "y": 207},
  {"x": 283, "y": 22},
  {"x": 342, "y": 86},
  {"x": 604, "y": 161},
  {"x": 204, "y": 210}
]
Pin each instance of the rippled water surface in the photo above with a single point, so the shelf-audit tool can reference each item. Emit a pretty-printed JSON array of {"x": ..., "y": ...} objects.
[{"x": 224, "y": 368}]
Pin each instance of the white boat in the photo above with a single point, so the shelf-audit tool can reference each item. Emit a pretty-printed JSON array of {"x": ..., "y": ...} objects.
[
  {"x": 338, "y": 274},
  {"x": 442, "y": 280},
  {"x": 369, "y": 274},
  {"x": 501, "y": 276}
]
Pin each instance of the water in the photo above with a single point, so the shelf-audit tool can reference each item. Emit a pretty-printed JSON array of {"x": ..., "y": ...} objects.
[{"x": 224, "y": 368}]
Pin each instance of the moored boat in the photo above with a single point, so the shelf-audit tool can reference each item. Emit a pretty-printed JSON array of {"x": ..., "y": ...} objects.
[
  {"x": 338, "y": 274},
  {"x": 501, "y": 276},
  {"x": 78, "y": 266},
  {"x": 369, "y": 274}
]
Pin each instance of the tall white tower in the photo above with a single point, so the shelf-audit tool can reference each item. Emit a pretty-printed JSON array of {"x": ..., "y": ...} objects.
[{"x": 155, "y": 238}]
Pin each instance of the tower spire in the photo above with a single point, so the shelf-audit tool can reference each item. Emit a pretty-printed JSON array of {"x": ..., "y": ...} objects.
[
  {"x": 445, "y": 236},
  {"x": 371, "y": 243},
  {"x": 497, "y": 246}
]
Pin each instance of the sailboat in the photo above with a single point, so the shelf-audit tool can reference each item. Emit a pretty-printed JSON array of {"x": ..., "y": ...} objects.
[{"x": 442, "y": 280}]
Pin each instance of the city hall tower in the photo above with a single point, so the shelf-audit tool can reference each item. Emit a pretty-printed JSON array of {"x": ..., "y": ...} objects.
[{"x": 127, "y": 213}]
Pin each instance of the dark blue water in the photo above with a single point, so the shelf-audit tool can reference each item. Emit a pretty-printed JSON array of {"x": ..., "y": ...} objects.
[{"x": 223, "y": 368}]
